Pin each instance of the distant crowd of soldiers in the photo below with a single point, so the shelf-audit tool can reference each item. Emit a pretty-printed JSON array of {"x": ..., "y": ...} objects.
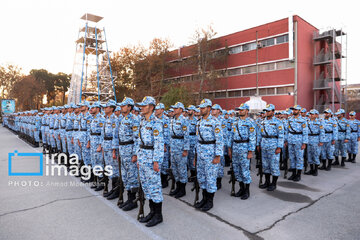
[{"x": 147, "y": 146}]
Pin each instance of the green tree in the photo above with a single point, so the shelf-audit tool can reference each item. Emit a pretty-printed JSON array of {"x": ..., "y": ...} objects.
[
  {"x": 46, "y": 82},
  {"x": 177, "y": 94},
  {"x": 26, "y": 91},
  {"x": 205, "y": 59},
  {"x": 62, "y": 84},
  {"x": 9, "y": 75}
]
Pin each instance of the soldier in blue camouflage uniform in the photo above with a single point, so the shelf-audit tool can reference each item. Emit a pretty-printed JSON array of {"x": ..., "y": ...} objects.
[
  {"x": 62, "y": 127},
  {"x": 242, "y": 141},
  {"x": 179, "y": 147},
  {"x": 270, "y": 141},
  {"x": 106, "y": 124},
  {"x": 69, "y": 129},
  {"x": 209, "y": 148},
  {"x": 216, "y": 111},
  {"x": 43, "y": 130},
  {"x": 159, "y": 112},
  {"x": 124, "y": 137},
  {"x": 83, "y": 136},
  {"x": 331, "y": 135},
  {"x": 316, "y": 140},
  {"x": 343, "y": 137},
  {"x": 284, "y": 155},
  {"x": 229, "y": 122},
  {"x": 51, "y": 130},
  {"x": 149, "y": 149},
  {"x": 75, "y": 132},
  {"x": 57, "y": 129},
  {"x": 297, "y": 139},
  {"x": 192, "y": 120},
  {"x": 95, "y": 128},
  {"x": 37, "y": 128},
  {"x": 354, "y": 137}
]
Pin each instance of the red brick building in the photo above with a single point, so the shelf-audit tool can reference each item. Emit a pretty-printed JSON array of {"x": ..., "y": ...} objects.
[{"x": 281, "y": 61}]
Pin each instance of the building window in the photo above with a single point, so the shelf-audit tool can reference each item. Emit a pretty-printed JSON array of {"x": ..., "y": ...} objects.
[
  {"x": 270, "y": 91},
  {"x": 220, "y": 94},
  {"x": 268, "y": 42},
  {"x": 266, "y": 67},
  {"x": 282, "y": 39},
  {"x": 249, "y": 47},
  {"x": 284, "y": 65},
  {"x": 234, "y": 71},
  {"x": 235, "y": 93},
  {"x": 284, "y": 90},
  {"x": 249, "y": 92},
  {"x": 247, "y": 70},
  {"x": 235, "y": 50},
  {"x": 262, "y": 91}
]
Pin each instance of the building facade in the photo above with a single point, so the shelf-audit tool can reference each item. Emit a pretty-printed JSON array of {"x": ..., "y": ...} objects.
[{"x": 275, "y": 60}]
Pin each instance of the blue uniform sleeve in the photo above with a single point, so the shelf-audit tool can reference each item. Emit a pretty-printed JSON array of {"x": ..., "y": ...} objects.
[
  {"x": 305, "y": 138},
  {"x": 115, "y": 134},
  {"x": 280, "y": 129},
  {"x": 219, "y": 144},
  {"x": 135, "y": 130},
  {"x": 259, "y": 135},
  {"x": 322, "y": 132},
  {"x": 335, "y": 131},
  {"x": 185, "y": 128},
  {"x": 230, "y": 138},
  {"x": 158, "y": 142},
  {"x": 348, "y": 132},
  {"x": 252, "y": 137}
]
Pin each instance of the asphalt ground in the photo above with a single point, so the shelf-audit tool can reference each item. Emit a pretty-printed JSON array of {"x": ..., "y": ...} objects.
[{"x": 60, "y": 207}]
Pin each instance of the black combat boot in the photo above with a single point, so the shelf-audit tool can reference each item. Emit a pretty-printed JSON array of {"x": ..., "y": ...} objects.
[
  {"x": 203, "y": 200},
  {"x": 328, "y": 168},
  {"x": 157, "y": 218},
  {"x": 177, "y": 189},
  {"x": 293, "y": 175},
  {"x": 315, "y": 173},
  {"x": 132, "y": 203},
  {"x": 349, "y": 157},
  {"x": 336, "y": 161},
  {"x": 127, "y": 201},
  {"x": 240, "y": 193},
  {"x": 164, "y": 180},
  {"x": 297, "y": 178},
  {"x": 192, "y": 176},
  {"x": 218, "y": 183},
  {"x": 267, "y": 181},
  {"x": 272, "y": 186},
  {"x": 353, "y": 158},
  {"x": 343, "y": 161},
  {"x": 115, "y": 190},
  {"x": 151, "y": 213},
  {"x": 246, "y": 194},
  {"x": 323, "y": 166},
  {"x": 182, "y": 191},
  {"x": 311, "y": 171},
  {"x": 209, "y": 202},
  {"x": 94, "y": 183},
  {"x": 100, "y": 184}
]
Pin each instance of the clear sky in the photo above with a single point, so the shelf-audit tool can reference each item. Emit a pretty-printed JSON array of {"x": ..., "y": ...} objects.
[{"x": 42, "y": 33}]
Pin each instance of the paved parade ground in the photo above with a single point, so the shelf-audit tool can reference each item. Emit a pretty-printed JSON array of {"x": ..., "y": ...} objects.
[{"x": 323, "y": 207}]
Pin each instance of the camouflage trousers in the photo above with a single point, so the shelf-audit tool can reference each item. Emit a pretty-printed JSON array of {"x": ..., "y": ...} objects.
[{"x": 150, "y": 180}]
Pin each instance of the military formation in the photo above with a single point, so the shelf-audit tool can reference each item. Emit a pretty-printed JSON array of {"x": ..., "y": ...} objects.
[{"x": 147, "y": 146}]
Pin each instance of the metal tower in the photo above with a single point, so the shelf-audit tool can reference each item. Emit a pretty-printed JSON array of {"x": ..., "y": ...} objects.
[
  {"x": 92, "y": 77},
  {"x": 330, "y": 84}
]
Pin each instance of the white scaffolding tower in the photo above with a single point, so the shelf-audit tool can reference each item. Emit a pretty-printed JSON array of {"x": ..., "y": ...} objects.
[{"x": 92, "y": 77}]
